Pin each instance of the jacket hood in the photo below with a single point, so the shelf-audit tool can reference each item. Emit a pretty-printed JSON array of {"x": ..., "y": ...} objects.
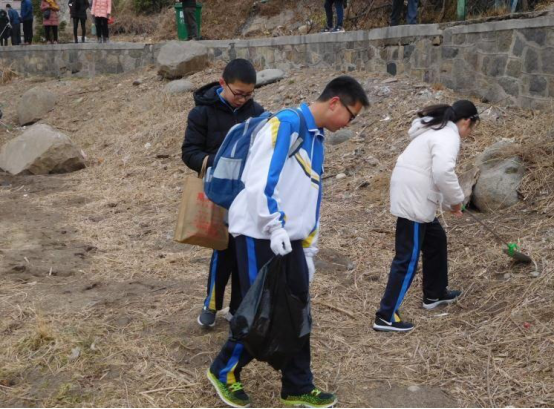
[
  {"x": 419, "y": 128},
  {"x": 207, "y": 95}
]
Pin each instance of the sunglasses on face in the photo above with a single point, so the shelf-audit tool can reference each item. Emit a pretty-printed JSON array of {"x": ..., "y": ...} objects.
[{"x": 240, "y": 95}]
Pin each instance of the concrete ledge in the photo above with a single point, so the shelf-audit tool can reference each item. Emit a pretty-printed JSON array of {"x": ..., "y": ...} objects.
[
  {"x": 73, "y": 46},
  {"x": 546, "y": 21}
]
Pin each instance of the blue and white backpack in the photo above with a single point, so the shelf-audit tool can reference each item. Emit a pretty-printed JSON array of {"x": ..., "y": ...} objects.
[{"x": 222, "y": 182}]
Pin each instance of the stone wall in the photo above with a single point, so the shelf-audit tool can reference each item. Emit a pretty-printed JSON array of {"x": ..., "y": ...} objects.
[
  {"x": 88, "y": 60},
  {"x": 508, "y": 62}
]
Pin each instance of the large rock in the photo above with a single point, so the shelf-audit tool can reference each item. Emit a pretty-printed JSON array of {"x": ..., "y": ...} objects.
[
  {"x": 34, "y": 104},
  {"x": 178, "y": 59},
  {"x": 269, "y": 76},
  {"x": 339, "y": 137},
  {"x": 179, "y": 87},
  {"x": 40, "y": 150},
  {"x": 499, "y": 179}
]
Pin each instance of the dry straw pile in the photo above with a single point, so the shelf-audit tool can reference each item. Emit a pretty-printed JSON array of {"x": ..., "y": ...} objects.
[{"x": 122, "y": 330}]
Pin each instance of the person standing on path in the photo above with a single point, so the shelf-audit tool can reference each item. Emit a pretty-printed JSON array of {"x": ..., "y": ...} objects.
[
  {"x": 50, "y": 20},
  {"x": 339, "y": 7},
  {"x": 101, "y": 10},
  {"x": 78, "y": 13},
  {"x": 189, "y": 10},
  {"x": 15, "y": 22},
  {"x": 27, "y": 20}
]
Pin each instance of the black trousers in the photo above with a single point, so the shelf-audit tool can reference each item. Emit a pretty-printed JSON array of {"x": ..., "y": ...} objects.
[
  {"x": 411, "y": 238},
  {"x": 396, "y": 14},
  {"x": 83, "y": 28},
  {"x": 51, "y": 30},
  {"x": 252, "y": 254},
  {"x": 339, "y": 7},
  {"x": 102, "y": 27},
  {"x": 16, "y": 34},
  {"x": 190, "y": 21},
  {"x": 223, "y": 265},
  {"x": 28, "y": 31}
]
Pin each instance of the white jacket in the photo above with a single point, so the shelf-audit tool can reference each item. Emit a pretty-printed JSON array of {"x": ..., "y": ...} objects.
[
  {"x": 282, "y": 191},
  {"x": 424, "y": 176}
]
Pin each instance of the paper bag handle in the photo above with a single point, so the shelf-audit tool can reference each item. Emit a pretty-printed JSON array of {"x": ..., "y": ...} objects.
[{"x": 204, "y": 167}]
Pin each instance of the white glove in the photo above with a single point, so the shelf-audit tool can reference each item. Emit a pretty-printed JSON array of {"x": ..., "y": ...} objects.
[
  {"x": 311, "y": 267},
  {"x": 280, "y": 242}
]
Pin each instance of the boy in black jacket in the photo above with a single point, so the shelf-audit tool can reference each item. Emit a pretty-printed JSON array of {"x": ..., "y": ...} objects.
[{"x": 219, "y": 106}]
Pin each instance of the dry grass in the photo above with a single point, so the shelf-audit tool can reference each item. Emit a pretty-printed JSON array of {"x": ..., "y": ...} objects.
[
  {"x": 131, "y": 312},
  {"x": 7, "y": 74}
]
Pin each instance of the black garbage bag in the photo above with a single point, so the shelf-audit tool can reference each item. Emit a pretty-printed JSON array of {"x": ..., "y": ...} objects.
[{"x": 272, "y": 323}]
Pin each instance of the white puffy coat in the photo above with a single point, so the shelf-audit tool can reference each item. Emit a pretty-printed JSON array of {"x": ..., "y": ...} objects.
[{"x": 424, "y": 177}]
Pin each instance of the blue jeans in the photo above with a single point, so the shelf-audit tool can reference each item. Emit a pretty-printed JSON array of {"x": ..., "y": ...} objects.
[
  {"x": 329, "y": 11},
  {"x": 397, "y": 6}
]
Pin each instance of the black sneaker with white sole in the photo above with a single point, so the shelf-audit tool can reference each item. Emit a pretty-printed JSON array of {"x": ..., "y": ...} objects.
[
  {"x": 449, "y": 297},
  {"x": 207, "y": 318},
  {"x": 386, "y": 326}
]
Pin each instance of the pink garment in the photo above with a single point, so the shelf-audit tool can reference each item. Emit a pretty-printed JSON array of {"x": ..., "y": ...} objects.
[
  {"x": 101, "y": 8},
  {"x": 53, "y": 19}
]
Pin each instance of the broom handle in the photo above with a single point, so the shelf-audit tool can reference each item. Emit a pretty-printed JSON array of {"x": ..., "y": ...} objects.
[{"x": 500, "y": 239}]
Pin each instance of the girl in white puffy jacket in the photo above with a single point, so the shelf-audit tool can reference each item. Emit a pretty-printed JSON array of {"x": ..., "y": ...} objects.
[{"x": 422, "y": 181}]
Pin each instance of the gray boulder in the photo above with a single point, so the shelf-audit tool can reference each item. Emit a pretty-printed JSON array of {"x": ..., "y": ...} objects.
[
  {"x": 179, "y": 87},
  {"x": 40, "y": 150},
  {"x": 339, "y": 137},
  {"x": 268, "y": 76},
  {"x": 499, "y": 179},
  {"x": 34, "y": 104},
  {"x": 178, "y": 59}
]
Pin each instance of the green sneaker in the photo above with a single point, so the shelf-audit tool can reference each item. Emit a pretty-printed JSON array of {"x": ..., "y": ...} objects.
[
  {"x": 314, "y": 399},
  {"x": 232, "y": 394}
]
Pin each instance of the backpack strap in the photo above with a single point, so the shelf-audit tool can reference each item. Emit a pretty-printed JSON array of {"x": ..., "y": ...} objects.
[{"x": 303, "y": 129}]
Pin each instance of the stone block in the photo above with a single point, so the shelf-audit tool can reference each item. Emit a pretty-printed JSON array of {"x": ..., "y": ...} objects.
[
  {"x": 449, "y": 52},
  {"x": 518, "y": 47},
  {"x": 459, "y": 39},
  {"x": 551, "y": 87},
  {"x": 536, "y": 35},
  {"x": 547, "y": 57},
  {"x": 471, "y": 57},
  {"x": 513, "y": 69},
  {"x": 509, "y": 85},
  {"x": 531, "y": 61},
  {"x": 537, "y": 86},
  {"x": 504, "y": 40},
  {"x": 494, "y": 66},
  {"x": 447, "y": 67},
  {"x": 464, "y": 76},
  {"x": 486, "y": 46},
  {"x": 408, "y": 51}
]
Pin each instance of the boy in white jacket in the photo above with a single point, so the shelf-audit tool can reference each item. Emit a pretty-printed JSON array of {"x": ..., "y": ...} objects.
[
  {"x": 423, "y": 181},
  {"x": 277, "y": 213}
]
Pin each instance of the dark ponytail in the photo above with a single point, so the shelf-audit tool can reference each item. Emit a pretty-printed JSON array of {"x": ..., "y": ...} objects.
[{"x": 441, "y": 114}]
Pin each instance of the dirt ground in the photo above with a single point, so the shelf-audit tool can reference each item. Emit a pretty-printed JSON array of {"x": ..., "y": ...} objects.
[{"x": 98, "y": 305}]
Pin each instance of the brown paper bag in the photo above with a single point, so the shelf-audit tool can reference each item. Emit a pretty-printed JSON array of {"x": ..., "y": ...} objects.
[{"x": 200, "y": 221}]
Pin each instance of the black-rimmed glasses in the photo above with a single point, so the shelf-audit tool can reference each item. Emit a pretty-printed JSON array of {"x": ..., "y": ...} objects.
[
  {"x": 240, "y": 95},
  {"x": 352, "y": 116}
]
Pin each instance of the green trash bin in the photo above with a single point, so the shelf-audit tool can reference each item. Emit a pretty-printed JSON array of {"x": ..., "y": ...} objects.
[{"x": 182, "y": 33}]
